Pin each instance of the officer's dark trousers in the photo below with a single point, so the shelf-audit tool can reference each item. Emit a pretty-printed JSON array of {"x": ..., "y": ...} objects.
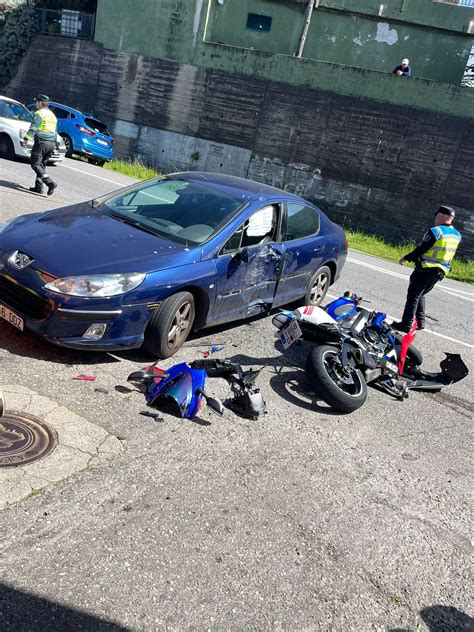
[
  {"x": 422, "y": 281},
  {"x": 40, "y": 154}
]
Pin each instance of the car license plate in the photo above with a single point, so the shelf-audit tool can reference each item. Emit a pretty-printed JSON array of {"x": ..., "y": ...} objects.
[
  {"x": 290, "y": 334},
  {"x": 101, "y": 142},
  {"x": 11, "y": 317}
]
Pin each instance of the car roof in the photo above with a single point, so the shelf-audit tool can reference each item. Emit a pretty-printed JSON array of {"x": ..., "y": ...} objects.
[
  {"x": 9, "y": 100},
  {"x": 238, "y": 187},
  {"x": 66, "y": 107}
]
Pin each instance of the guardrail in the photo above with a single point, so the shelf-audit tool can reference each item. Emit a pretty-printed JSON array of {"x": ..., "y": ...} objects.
[{"x": 66, "y": 22}]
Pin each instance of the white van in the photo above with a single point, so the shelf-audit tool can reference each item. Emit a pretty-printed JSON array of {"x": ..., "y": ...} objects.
[{"x": 15, "y": 119}]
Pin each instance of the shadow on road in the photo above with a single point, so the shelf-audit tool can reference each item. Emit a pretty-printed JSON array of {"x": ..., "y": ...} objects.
[
  {"x": 26, "y": 344},
  {"x": 443, "y": 619},
  {"x": 23, "y": 612}
]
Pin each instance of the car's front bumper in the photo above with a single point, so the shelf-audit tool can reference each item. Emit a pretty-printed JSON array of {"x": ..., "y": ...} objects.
[
  {"x": 64, "y": 321},
  {"x": 25, "y": 152}
]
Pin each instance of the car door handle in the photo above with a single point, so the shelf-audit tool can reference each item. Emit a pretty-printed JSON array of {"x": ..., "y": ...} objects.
[{"x": 319, "y": 249}]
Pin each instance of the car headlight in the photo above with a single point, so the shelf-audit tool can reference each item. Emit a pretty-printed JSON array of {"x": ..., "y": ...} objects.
[{"x": 99, "y": 285}]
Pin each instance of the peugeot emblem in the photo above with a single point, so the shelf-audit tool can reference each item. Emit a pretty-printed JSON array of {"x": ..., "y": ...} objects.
[{"x": 19, "y": 260}]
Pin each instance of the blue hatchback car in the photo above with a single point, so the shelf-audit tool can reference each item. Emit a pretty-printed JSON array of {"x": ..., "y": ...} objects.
[
  {"x": 83, "y": 134},
  {"x": 147, "y": 264}
]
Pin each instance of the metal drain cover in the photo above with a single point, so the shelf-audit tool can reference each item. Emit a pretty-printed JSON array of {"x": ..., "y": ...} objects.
[{"x": 24, "y": 439}]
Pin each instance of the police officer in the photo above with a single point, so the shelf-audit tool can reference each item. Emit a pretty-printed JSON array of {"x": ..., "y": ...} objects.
[
  {"x": 44, "y": 131},
  {"x": 433, "y": 262}
]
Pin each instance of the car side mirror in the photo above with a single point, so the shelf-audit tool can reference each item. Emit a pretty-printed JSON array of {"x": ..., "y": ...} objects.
[{"x": 242, "y": 255}]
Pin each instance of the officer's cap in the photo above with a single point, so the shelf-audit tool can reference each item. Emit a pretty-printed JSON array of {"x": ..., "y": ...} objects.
[
  {"x": 42, "y": 97},
  {"x": 446, "y": 210}
]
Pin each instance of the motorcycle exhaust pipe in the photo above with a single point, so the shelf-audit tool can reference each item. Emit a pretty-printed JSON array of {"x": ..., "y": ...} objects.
[{"x": 364, "y": 359}]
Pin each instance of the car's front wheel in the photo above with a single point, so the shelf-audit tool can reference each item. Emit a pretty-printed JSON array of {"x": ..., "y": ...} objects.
[
  {"x": 6, "y": 147},
  {"x": 170, "y": 325}
]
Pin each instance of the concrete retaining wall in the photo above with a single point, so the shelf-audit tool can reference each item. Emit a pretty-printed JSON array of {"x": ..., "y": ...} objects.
[{"x": 370, "y": 165}]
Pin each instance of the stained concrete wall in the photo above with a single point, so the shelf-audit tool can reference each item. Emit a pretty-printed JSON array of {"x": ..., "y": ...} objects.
[
  {"x": 359, "y": 34},
  {"x": 370, "y": 165}
]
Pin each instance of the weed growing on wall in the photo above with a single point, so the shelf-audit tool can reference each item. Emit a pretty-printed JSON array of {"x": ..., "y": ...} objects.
[{"x": 17, "y": 28}]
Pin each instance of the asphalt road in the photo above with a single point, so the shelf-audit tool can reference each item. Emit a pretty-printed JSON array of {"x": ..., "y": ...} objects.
[{"x": 303, "y": 520}]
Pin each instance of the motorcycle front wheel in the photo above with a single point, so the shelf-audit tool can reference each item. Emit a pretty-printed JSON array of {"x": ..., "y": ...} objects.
[{"x": 344, "y": 389}]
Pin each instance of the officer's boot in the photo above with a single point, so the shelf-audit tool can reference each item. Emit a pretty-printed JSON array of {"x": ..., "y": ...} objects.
[
  {"x": 38, "y": 188},
  {"x": 50, "y": 184}
]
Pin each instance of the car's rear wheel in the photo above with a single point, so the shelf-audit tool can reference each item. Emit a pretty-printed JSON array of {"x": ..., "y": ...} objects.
[
  {"x": 6, "y": 147},
  {"x": 170, "y": 325},
  {"x": 68, "y": 143},
  {"x": 318, "y": 286},
  {"x": 96, "y": 161}
]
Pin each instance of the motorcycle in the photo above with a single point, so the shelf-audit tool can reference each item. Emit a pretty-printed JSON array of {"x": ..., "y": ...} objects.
[{"x": 355, "y": 346}]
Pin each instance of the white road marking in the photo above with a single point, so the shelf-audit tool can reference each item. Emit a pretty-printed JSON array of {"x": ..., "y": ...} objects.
[
  {"x": 428, "y": 331},
  {"x": 447, "y": 290},
  {"x": 93, "y": 175}
]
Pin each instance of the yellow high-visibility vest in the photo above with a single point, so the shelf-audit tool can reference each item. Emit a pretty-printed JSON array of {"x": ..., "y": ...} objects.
[{"x": 443, "y": 250}]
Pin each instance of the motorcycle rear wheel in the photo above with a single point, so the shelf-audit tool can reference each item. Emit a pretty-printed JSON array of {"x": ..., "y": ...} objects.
[{"x": 343, "y": 391}]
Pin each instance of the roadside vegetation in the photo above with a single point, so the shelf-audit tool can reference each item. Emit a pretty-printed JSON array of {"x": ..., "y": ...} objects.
[
  {"x": 133, "y": 168},
  {"x": 372, "y": 245}
]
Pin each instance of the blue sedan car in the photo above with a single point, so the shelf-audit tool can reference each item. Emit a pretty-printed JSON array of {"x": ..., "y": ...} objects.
[
  {"x": 82, "y": 134},
  {"x": 147, "y": 264}
]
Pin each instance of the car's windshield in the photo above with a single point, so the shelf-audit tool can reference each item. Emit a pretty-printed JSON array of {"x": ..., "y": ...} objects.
[
  {"x": 182, "y": 211},
  {"x": 16, "y": 111}
]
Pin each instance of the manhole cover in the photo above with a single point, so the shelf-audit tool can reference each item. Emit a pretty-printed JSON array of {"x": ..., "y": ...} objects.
[{"x": 24, "y": 439}]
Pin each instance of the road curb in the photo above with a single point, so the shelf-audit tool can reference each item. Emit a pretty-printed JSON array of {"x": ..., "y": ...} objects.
[{"x": 81, "y": 444}]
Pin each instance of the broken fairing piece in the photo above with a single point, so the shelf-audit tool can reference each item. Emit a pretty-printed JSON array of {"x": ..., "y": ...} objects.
[
  {"x": 2, "y": 404},
  {"x": 181, "y": 385},
  {"x": 248, "y": 403},
  {"x": 247, "y": 400}
]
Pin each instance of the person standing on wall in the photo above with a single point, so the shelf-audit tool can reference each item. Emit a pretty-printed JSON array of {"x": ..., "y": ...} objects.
[
  {"x": 403, "y": 70},
  {"x": 43, "y": 130},
  {"x": 432, "y": 259}
]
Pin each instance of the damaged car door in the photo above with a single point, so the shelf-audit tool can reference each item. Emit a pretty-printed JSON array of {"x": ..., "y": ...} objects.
[{"x": 248, "y": 266}]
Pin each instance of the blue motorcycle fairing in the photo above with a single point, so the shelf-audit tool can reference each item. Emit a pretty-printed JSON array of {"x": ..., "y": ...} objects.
[
  {"x": 183, "y": 385},
  {"x": 341, "y": 307}
]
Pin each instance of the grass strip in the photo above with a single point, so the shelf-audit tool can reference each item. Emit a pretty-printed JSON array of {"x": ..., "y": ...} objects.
[
  {"x": 373, "y": 245},
  {"x": 133, "y": 168}
]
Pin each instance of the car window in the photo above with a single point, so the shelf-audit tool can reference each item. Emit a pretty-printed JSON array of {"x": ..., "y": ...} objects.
[
  {"x": 97, "y": 126},
  {"x": 232, "y": 244},
  {"x": 302, "y": 221},
  {"x": 260, "y": 228},
  {"x": 59, "y": 112},
  {"x": 15, "y": 111},
  {"x": 180, "y": 210}
]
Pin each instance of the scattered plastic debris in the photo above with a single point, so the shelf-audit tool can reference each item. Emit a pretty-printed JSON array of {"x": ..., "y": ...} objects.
[
  {"x": 207, "y": 353},
  {"x": 154, "y": 416},
  {"x": 85, "y": 378},
  {"x": 203, "y": 344},
  {"x": 101, "y": 390},
  {"x": 121, "y": 438}
]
